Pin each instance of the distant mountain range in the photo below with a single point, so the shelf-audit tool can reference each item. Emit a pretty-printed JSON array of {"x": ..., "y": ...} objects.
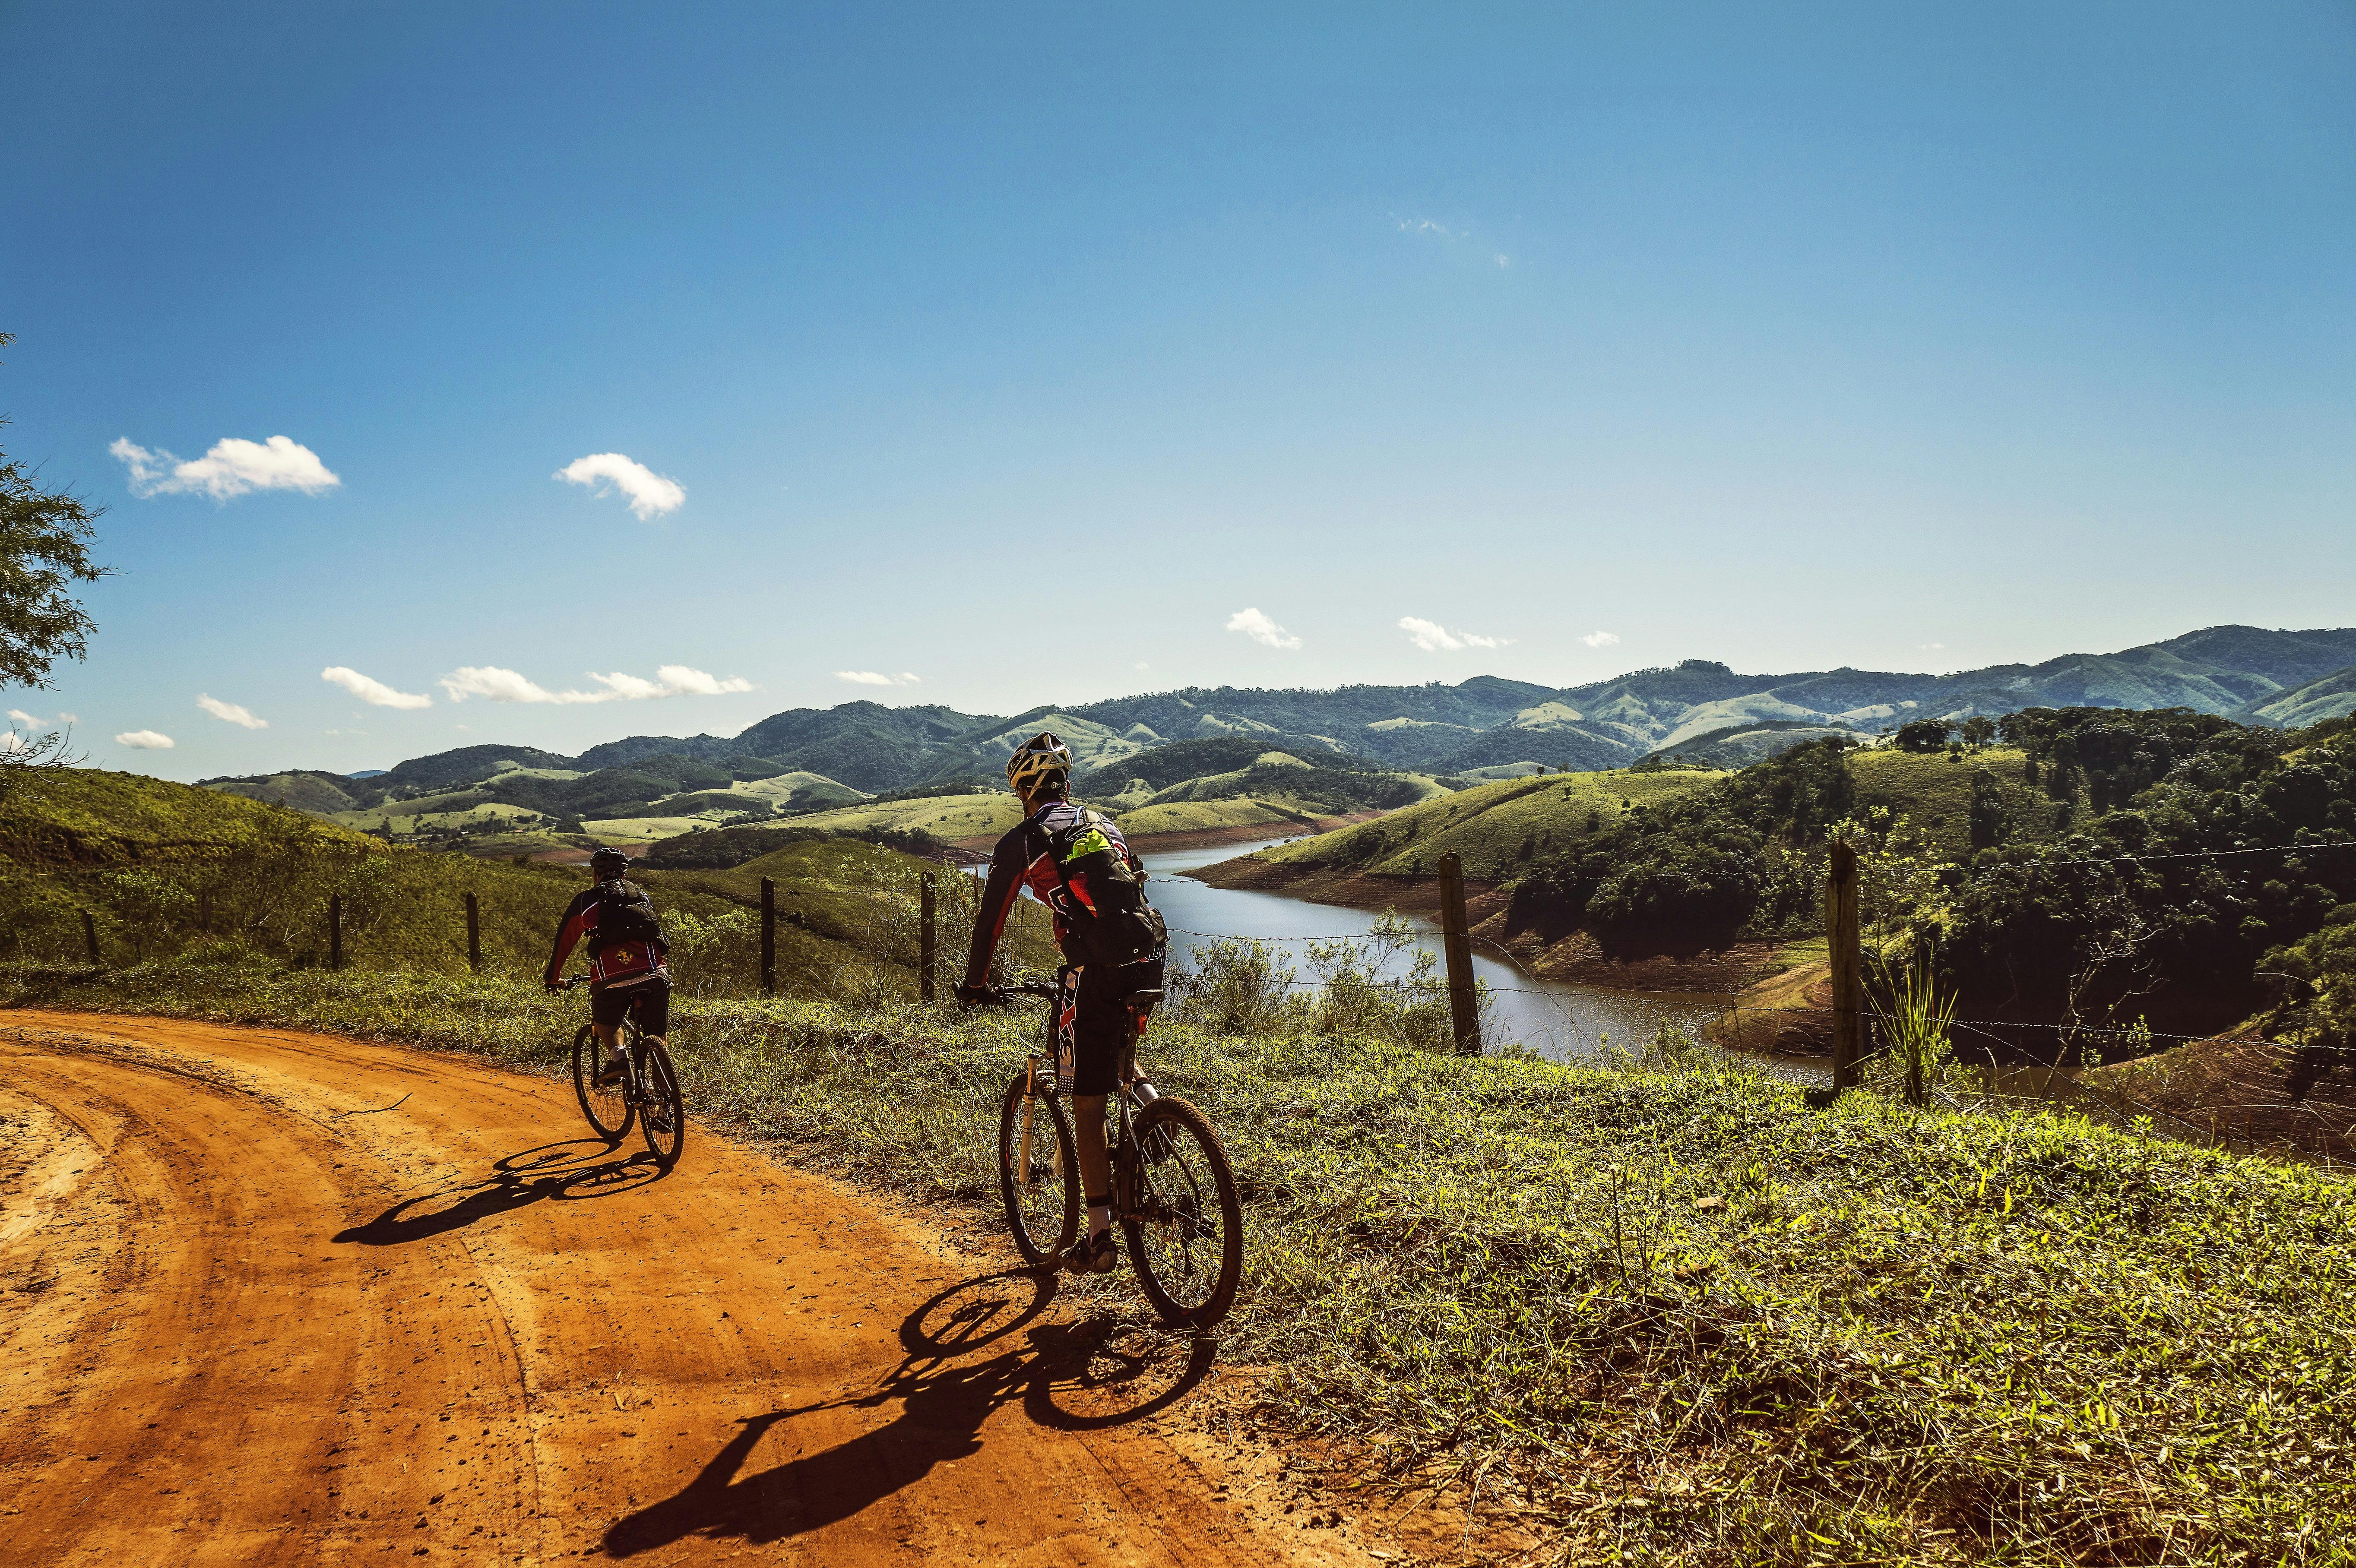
[{"x": 2257, "y": 676}]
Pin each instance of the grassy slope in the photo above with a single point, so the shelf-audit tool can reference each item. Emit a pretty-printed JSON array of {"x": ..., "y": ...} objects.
[
  {"x": 135, "y": 851},
  {"x": 952, "y": 816},
  {"x": 1486, "y": 826},
  {"x": 1934, "y": 792},
  {"x": 1685, "y": 1319}
]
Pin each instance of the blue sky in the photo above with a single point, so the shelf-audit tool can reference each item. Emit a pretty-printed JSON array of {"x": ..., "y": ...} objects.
[{"x": 1020, "y": 349}]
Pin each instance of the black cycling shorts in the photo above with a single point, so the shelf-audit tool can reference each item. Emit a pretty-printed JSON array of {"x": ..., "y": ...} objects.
[
  {"x": 1099, "y": 1028},
  {"x": 649, "y": 1002}
]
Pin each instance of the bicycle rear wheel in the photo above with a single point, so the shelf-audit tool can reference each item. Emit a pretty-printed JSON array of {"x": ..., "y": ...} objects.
[
  {"x": 608, "y": 1108},
  {"x": 1186, "y": 1227},
  {"x": 662, "y": 1116},
  {"x": 1038, "y": 1174}
]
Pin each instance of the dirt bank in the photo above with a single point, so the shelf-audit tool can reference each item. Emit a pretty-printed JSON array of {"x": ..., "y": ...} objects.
[
  {"x": 277, "y": 1297},
  {"x": 2241, "y": 1091}
]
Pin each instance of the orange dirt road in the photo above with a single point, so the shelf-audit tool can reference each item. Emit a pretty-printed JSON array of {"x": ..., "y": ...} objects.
[{"x": 249, "y": 1315}]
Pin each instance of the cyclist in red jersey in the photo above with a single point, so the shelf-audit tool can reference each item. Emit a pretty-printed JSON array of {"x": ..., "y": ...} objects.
[
  {"x": 1041, "y": 772},
  {"x": 628, "y": 971}
]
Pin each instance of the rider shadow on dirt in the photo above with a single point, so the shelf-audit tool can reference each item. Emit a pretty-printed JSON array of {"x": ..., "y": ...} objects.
[
  {"x": 1071, "y": 1376},
  {"x": 560, "y": 1170}
]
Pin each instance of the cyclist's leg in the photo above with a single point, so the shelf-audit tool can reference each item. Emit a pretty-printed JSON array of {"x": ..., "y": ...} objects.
[
  {"x": 650, "y": 1004},
  {"x": 1099, "y": 1029},
  {"x": 607, "y": 1009}
]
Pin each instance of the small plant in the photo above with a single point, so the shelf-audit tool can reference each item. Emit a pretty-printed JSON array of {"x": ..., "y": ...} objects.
[{"x": 1917, "y": 1020}]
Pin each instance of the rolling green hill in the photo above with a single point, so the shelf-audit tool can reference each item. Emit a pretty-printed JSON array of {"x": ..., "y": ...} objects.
[
  {"x": 1493, "y": 828},
  {"x": 167, "y": 869},
  {"x": 2329, "y": 697}
]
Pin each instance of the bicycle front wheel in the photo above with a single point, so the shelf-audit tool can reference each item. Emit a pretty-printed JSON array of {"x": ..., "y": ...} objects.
[
  {"x": 1038, "y": 1173},
  {"x": 607, "y": 1108},
  {"x": 662, "y": 1116},
  {"x": 1186, "y": 1227}
]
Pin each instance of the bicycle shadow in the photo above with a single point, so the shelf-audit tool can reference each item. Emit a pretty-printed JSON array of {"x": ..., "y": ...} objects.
[
  {"x": 549, "y": 1172},
  {"x": 1072, "y": 1377}
]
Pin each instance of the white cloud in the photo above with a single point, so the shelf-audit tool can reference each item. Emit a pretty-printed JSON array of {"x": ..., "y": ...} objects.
[
  {"x": 1931, "y": 648},
  {"x": 230, "y": 712},
  {"x": 69, "y": 718},
  {"x": 876, "y": 677},
  {"x": 1504, "y": 262},
  {"x": 231, "y": 468},
  {"x": 143, "y": 741},
  {"x": 1260, "y": 629},
  {"x": 375, "y": 693},
  {"x": 21, "y": 717},
  {"x": 1433, "y": 638},
  {"x": 651, "y": 495},
  {"x": 507, "y": 686},
  {"x": 1423, "y": 226},
  {"x": 1599, "y": 639}
]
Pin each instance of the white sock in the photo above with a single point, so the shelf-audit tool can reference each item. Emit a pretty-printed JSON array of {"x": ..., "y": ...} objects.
[{"x": 1099, "y": 1220}]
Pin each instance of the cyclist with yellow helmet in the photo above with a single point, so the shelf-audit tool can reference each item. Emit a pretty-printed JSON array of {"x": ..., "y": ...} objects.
[{"x": 1075, "y": 861}]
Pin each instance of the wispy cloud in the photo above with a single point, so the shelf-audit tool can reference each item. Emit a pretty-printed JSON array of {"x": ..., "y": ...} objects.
[
  {"x": 21, "y": 717},
  {"x": 231, "y": 468},
  {"x": 501, "y": 685},
  {"x": 876, "y": 678},
  {"x": 230, "y": 712},
  {"x": 143, "y": 741},
  {"x": 1504, "y": 263},
  {"x": 375, "y": 693},
  {"x": 1425, "y": 227},
  {"x": 1599, "y": 639},
  {"x": 1434, "y": 638},
  {"x": 651, "y": 495},
  {"x": 1260, "y": 629}
]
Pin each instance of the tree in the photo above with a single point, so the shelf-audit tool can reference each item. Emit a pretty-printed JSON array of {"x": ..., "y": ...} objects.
[
  {"x": 1924, "y": 734},
  {"x": 1978, "y": 731},
  {"x": 45, "y": 539}
]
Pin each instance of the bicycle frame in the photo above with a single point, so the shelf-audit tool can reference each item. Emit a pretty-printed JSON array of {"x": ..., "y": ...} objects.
[{"x": 1131, "y": 1088}]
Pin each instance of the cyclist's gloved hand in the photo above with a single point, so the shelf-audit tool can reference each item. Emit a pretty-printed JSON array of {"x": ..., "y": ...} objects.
[
  {"x": 550, "y": 982},
  {"x": 978, "y": 995}
]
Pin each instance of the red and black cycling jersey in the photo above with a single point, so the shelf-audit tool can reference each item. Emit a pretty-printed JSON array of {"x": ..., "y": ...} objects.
[
  {"x": 625, "y": 944},
  {"x": 1023, "y": 858}
]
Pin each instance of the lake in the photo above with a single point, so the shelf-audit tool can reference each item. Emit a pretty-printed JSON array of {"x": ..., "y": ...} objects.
[{"x": 1560, "y": 1021}]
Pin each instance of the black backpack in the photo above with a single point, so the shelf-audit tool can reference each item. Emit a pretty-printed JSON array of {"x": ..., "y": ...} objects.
[
  {"x": 624, "y": 913},
  {"x": 1124, "y": 929}
]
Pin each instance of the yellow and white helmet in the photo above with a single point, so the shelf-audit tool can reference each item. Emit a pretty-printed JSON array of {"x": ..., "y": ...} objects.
[{"x": 1043, "y": 759}]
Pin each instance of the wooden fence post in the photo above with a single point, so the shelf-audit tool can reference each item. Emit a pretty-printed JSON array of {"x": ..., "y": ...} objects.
[
  {"x": 335, "y": 930},
  {"x": 927, "y": 940},
  {"x": 473, "y": 933},
  {"x": 1455, "y": 940},
  {"x": 1848, "y": 966},
  {"x": 90, "y": 935},
  {"x": 768, "y": 937},
  {"x": 205, "y": 911}
]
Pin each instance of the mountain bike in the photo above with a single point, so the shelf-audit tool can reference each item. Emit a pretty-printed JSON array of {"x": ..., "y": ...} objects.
[
  {"x": 1174, "y": 1193},
  {"x": 646, "y": 1093}
]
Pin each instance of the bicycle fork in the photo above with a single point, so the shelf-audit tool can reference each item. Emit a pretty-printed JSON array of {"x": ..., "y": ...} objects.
[{"x": 1023, "y": 1144}]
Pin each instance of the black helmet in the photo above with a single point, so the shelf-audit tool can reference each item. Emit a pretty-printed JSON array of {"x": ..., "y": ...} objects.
[
  {"x": 1041, "y": 762},
  {"x": 605, "y": 862}
]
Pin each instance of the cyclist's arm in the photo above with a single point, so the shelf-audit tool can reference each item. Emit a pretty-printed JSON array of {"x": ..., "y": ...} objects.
[
  {"x": 580, "y": 916},
  {"x": 997, "y": 896}
]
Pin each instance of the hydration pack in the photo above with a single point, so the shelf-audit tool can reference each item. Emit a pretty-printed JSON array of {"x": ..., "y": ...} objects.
[
  {"x": 1108, "y": 922},
  {"x": 626, "y": 914}
]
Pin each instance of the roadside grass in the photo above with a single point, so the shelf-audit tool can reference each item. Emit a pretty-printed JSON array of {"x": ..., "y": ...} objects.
[
  {"x": 1496, "y": 828},
  {"x": 1661, "y": 1313}
]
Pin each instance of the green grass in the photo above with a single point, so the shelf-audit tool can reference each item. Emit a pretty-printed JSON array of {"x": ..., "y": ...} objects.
[
  {"x": 1933, "y": 791},
  {"x": 951, "y": 816},
  {"x": 1660, "y": 1315},
  {"x": 1492, "y": 828}
]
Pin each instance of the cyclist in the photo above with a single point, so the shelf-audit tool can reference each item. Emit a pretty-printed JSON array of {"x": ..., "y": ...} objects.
[
  {"x": 628, "y": 971},
  {"x": 1075, "y": 862}
]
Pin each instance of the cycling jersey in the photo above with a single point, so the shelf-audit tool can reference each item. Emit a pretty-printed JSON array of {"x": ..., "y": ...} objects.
[
  {"x": 626, "y": 945},
  {"x": 1020, "y": 860}
]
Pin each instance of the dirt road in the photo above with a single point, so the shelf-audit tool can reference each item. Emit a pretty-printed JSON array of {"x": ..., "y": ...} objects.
[{"x": 249, "y": 1314}]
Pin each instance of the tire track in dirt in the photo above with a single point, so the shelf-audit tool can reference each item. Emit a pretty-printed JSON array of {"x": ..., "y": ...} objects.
[{"x": 247, "y": 1324}]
